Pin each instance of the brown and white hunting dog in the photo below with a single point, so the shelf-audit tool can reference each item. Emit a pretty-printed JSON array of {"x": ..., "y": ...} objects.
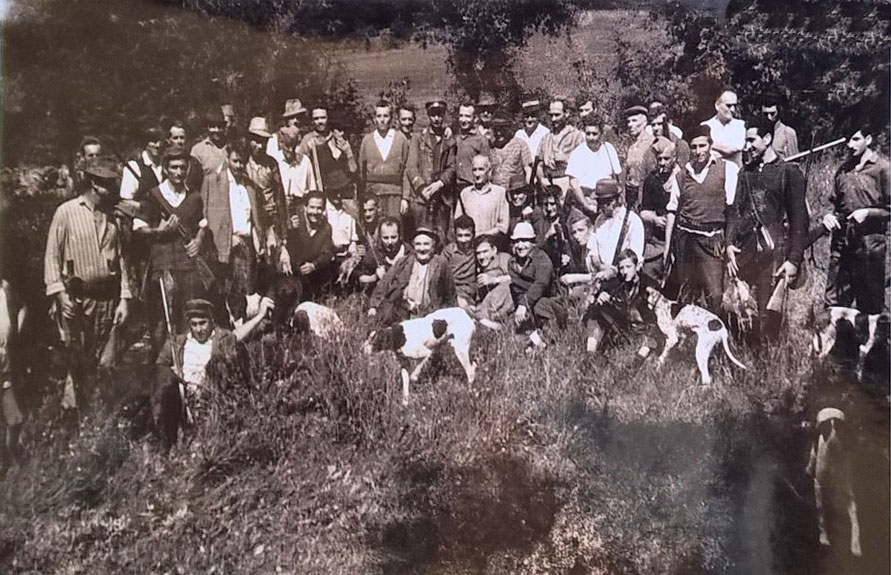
[{"x": 675, "y": 320}]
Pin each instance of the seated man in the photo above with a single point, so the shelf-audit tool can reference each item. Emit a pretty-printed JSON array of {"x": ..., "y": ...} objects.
[
  {"x": 309, "y": 252},
  {"x": 181, "y": 365},
  {"x": 522, "y": 208},
  {"x": 382, "y": 253},
  {"x": 493, "y": 285},
  {"x": 462, "y": 262},
  {"x": 575, "y": 274},
  {"x": 533, "y": 287},
  {"x": 416, "y": 285},
  {"x": 620, "y": 310}
]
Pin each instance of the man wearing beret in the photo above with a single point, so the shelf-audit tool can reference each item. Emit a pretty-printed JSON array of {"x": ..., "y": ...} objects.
[
  {"x": 639, "y": 159},
  {"x": 617, "y": 228},
  {"x": 85, "y": 274},
  {"x": 698, "y": 217},
  {"x": 431, "y": 172},
  {"x": 533, "y": 287},
  {"x": 416, "y": 285},
  {"x": 181, "y": 367}
]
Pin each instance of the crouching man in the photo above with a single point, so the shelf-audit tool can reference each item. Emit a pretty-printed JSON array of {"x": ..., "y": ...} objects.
[
  {"x": 182, "y": 364},
  {"x": 620, "y": 312},
  {"x": 533, "y": 286}
]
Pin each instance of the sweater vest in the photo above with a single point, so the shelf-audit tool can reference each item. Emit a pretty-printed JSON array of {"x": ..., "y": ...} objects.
[
  {"x": 169, "y": 253},
  {"x": 335, "y": 172},
  {"x": 702, "y": 206}
]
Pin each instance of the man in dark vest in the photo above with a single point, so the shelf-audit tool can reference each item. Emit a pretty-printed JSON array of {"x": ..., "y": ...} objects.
[
  {"x": 697, "y": 218},
  {"x": 759, "y": 249},
  {"x": 172, "y": 223},
  {"x": 143, "y": 173},
  {"x": 333, "y": 162}
]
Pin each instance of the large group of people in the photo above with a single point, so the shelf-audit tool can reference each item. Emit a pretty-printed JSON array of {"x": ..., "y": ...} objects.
[{"x": 521, "y": 227}]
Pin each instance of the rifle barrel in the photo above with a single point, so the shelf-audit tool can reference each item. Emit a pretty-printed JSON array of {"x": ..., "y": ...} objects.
[{"x": 819, "y": 148}]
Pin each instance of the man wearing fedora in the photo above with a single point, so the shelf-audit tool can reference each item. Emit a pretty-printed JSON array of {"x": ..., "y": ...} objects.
[
  {"x": 419, "y": 283},
  {"x": 383, "y": 156},
  {"x": 431, "y": 172},
  {"x": 86, "y": 276},
  {"x": 264, "y": 172},
  {"x": 533, "y": 287},
  {"x": 639, "y": 159},
  {"x": 181, "y": 367},
  {"x": 533, "y": 130},
  {"x": 292, "y": 116},
  {"x": 616, "y": 228}
]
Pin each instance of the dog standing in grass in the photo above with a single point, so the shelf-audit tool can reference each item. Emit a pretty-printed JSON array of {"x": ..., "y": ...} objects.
[
  {"x": 418, "y": 339},
  {"x": 831, "y": 467}
]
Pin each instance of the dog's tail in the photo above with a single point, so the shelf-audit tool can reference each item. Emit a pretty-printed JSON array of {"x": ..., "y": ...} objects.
[{"x": 724, "y": 339}]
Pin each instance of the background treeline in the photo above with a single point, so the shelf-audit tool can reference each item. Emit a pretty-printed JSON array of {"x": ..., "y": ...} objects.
[{"x": 110, "y": 68}]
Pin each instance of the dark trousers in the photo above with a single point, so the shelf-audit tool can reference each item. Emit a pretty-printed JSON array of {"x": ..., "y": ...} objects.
[
  {"x": 84, "y": 337},
  {"x": 700, "y": 264},
  {"x": 547, "y": 310},
  {"x": 436, "y": 215},
  {"x": 856, "y": 276}
]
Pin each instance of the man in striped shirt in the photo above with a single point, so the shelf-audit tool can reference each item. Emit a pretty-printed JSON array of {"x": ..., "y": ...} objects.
[{"x": 84, "y": 272}]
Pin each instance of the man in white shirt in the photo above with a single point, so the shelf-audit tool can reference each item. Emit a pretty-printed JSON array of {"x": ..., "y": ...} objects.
[
  {"x": 616, "y": 229},
  {"x": 294, "y": 113},
  {"x": 145, "y": 172},
  {"x": 728, "y": 133},
  {"x": 181, "y": 367},
  {"x": 533, "y": 130},
  {"x": 295, "y": 168},
  {"x": 588, "y": 164}
]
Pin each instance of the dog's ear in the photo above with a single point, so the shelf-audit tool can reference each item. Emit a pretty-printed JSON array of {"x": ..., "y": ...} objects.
[
  {"x": 439, "y": 327},
  {"x": 397, "y": 334}
]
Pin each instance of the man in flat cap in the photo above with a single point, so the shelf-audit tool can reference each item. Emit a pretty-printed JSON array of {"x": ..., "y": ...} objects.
[
  {"x": 728, "y": 132},
  {"x": 639, "y": 159},
  {"x": 181, "y": 367},
  {"x": 416, "y": 285},
  {"x": 383, "y": 156},
  {"x": 698, "y": 217},
  {"x": 661, "y": 184},
  {"x": 431, "y": 172},
  {"x": 485, "y": 108},
  {"x": 533, "y": 130},
  {"x": 616, "y": 228},
  {"x": 533, "y": 287},
  {"x": 86, "y": 276},
  {"x": 556, "y": 146}
]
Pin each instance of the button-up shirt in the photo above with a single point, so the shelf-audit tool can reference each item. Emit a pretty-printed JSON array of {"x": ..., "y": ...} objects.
[
  {"x": 83, "y": 242},
  {"x": 240, "y": 206},
  {"x": 469, "y": 146},
  {"x": 487, "y": 206},
  {"x": 603, "y": 243},
  {"x": 297, "y": 178},
  {"x": 509, "y": 163},
  {"x": 129, "y": 183}
]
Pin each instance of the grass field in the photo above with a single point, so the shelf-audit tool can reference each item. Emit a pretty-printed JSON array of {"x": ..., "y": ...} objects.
[{"x": 306, "y": 462}]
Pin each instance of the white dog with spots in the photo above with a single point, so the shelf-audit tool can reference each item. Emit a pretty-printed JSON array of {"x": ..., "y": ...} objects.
[{"x": 675, "y": 320}]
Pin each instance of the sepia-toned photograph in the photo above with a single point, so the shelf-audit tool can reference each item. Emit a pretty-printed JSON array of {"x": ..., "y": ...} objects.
[{"x": 445, "y": 287}]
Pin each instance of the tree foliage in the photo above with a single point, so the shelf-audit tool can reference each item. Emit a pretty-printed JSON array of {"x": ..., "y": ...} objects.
[{"x": 112, "y": 68}]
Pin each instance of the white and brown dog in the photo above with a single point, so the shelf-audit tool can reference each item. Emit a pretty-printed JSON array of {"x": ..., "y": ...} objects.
[
  {"x": 867, "y": 329},
  {"x": 831, "y": 467},
  {"x": 418, "y": 339},
  {"x": 674, "y": 319}
]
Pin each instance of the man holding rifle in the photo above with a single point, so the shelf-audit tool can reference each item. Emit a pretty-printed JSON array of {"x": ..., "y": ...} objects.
[
  {"x": 856, "y": 274},
  {"x": 173, "y": 224},
  {"x": 86, "y": 275},
  {"x": 182, "y": 364},
  {"x": 769, "y": 191}
]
